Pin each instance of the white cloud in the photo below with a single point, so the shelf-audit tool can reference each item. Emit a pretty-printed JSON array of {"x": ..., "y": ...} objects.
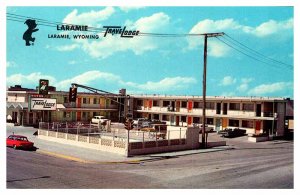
[
  {"x": 11, "y": 64},
  {"x": 72, "y": 62},
  {"x": 28, "y": 80},
  {"x": 67, "y": 47},
  {"x": 271, "y": 27},
  {"x": 91, "y": 18},
  {"x": 228, "y": 94},
  {"x": 128, "y": 9},
  {"x": 218, "y": 49},
  {"x": 270, "y": 88},
  {"x": 210, "y": 26},
  {"x": 87, "y": 78},
  {"x": 112, "y": 44},
  {"x": 244, "y": 84},
  {"x": 228, "y": 80},
  {"x": 167, "y": 84}
]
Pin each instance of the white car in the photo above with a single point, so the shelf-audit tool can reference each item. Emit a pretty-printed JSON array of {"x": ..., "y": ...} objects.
[
  {"x": 139, "y": 121},
  {"x": 99, "y": 119}
]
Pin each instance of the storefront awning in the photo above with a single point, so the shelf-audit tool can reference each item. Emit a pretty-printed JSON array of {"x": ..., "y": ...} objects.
[{"x": 17, "y": 105}]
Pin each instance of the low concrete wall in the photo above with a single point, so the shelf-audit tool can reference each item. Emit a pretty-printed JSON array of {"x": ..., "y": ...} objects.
[
  {"x": 189, "y": 140},
  {"x": 258, "y": 139},
  {"x": 107, "y": 145},
  {"x": 169, "y": 145}
]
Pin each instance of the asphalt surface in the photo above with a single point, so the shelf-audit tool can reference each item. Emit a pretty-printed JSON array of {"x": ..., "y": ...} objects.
[{"x": 243, "y": 165}]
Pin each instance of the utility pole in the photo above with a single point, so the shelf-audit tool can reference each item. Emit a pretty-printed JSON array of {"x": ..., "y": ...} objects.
[{"x": 204, "y": 136}]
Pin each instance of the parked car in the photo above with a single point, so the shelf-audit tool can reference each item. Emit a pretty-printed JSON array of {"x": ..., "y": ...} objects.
[
  {"x": 156, "y": 121},
  {"x": 139, "y": 121},
  {"x": 145, "y": 124},
  {"x": 236, "y": 132},
  {"x": 19, "y": 141},
  {"x": 99, "y": 119}
]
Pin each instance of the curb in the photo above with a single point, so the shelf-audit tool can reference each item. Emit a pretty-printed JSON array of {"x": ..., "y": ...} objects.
[{"x": 72, "y": 158}]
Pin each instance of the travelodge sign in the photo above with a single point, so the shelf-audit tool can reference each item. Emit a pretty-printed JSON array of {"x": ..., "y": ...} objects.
[{"x": 42, "y": 104}]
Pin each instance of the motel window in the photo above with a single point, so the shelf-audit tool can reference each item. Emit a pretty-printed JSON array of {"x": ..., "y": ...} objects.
[
  {"x": 183, "y": 104},
  {"x": 166, "y": 103},
  {"x": 247, "y": 124},
  {"x": 234, "y": 106},
  {"x": 248, "y": 107},
  {"x": 233, "y": 123},
  {"x": 198, "y": 104},
  {"x": 155, "y": 103},
  {"x": 209, "y": 121},
  {"x": 86, "y": 100},
  {"x": 95, "y": 101},
  {"x": 139, "y": 102},
  {"x": 165, "y": 117},
  {"x": 96, "y": 113},
  {"x": 210, "y": 105},
  {"x": 183, "y": 119},
  {"x": 197, "y": 120},
  {"x": 156, "y": 116}
]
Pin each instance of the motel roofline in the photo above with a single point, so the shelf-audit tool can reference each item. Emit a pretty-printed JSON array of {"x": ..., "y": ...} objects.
[{"x": 208, "y": 98}]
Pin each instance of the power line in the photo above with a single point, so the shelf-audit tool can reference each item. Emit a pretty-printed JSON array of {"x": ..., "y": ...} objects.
[
  {"x": 228, "y": 40},
  {"x": 237, "y": 43},
  {"x": 44, "y": 22},
  {"x": 250, "y": 56}
]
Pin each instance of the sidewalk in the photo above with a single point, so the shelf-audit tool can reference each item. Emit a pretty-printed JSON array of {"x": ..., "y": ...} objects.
[{"x": 84, "y": 155}]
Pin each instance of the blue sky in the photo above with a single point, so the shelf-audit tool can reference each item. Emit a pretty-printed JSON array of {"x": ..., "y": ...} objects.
[{"x": 159, "y": 65}]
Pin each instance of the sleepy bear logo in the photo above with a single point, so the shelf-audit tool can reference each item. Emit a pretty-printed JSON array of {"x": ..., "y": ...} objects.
[{"x": 27, "y": 36}]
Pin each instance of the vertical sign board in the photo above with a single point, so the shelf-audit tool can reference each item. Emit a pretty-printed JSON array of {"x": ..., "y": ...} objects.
[
  {"x": 43, "y": 104},
  {"x": 43, "y": 86}
]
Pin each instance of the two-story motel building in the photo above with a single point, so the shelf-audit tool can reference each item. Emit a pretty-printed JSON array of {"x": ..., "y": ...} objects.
[{"x": 255, "y": 114}]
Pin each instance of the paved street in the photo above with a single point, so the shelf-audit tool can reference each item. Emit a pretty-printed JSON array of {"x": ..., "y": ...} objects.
[{"x": 267, "y": 165}]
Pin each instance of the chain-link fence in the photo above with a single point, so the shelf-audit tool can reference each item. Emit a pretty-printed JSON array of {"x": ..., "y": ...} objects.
[{"x": 112, "y": 131}]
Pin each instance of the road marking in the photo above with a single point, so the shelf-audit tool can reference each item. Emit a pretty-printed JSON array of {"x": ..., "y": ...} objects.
[
  {"x": 72, "y": 158},
  {"x": 62, "y": 156}
]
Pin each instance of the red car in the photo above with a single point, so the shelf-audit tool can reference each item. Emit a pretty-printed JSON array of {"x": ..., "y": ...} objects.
[{"x": 19, "y": 141}]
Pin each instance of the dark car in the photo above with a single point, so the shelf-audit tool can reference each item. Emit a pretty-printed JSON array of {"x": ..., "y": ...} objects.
[
  {"x": 19, "y": 141},
  {"x": 231, "y": 133}
]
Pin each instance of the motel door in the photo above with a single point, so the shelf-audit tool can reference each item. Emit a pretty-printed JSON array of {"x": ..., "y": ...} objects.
[
  {"x": 224, "y": 123},
  {"x": 257, "y": 127},
  {"x": 78, "y": 116},
  {"x": 189, "y": 120},
  {"x": 177, "y": 120}
]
